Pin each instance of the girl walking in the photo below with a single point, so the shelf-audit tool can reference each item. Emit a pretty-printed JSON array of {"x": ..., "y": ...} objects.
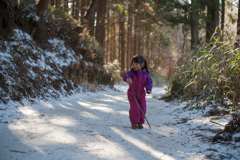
[{"x": 139, "y": 78}]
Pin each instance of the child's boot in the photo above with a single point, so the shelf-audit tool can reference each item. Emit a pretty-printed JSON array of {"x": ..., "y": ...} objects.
[
  {"x": 140, "y": 126},
  {"x": 134, "y": 126}
]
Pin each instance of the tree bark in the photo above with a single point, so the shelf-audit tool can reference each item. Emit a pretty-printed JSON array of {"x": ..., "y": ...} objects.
[
  {"x": 212, "y": 18},
  {"x": 129, "y": 39},
  {"x": 136, "y": 35},
  {"x": 223, "y": 19},
  {"x": 238, "y": 26},
  {"x": 194, "y": 25},
  {"x": 73, "y": 8},
  {"x": 66, "y": 5},
  {"x": 58, "y": 4},
  {"x": 77, "y": 8},
  {"x": 100, "y": 28},
  {"x": 122, "y": 39},
  {"x": 90, "y": 17},
  {"x": 41, "y": 7},
  {"x": 83, "y": 10}
]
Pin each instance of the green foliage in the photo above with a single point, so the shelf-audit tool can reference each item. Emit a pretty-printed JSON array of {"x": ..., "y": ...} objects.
[{"x": 212, "y": 73}]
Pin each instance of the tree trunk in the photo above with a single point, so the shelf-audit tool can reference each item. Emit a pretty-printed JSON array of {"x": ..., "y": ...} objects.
[
  {"x": 77, "y": 8},
  {"x": 58, "y": 4},
  {"x": 223, "y": 19},
  {"x": 107, "y": 46},
  {"x": 73, "y": 8},
  {"x": 83, "y": 9},
  {"x": 122, "y": 39},
  {"x": 238, "y": 26},
  {"x": 90, "y": 17},
  {"x": 100, "y": 28},
  {"x": 129, "y": 44},
  {"x": 41, "y": 7},
  {"x": 194, "y": 25},
  {"x": 136, "y": 35},
  {"x": 66, "y": 5},
  {"x": 212, "y": 18},
  {"x": 148, "y": 43}
]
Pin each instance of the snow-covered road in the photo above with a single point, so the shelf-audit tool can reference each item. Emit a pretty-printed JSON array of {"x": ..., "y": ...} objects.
[{"x": 96, "y": 126}]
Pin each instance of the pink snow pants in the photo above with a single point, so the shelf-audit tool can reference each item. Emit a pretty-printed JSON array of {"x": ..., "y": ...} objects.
[{"x": 135, "y": 114}]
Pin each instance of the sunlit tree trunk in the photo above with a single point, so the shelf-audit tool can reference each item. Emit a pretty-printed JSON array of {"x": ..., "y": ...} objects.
[{"x": 41, "y": 7}]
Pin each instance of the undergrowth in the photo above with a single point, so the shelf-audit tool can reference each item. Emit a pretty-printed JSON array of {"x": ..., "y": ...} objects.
[{"x": 210, "y": 75}]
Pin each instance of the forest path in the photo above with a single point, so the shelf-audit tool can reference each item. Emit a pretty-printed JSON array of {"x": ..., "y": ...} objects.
[{"x": 96, "y": 126}]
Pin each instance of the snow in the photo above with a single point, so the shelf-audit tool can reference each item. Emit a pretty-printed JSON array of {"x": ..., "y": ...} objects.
[{"x": 96, "y": 126}]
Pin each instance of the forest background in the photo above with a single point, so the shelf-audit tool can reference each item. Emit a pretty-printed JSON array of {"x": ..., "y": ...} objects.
[{"x": 194, "y": 44}]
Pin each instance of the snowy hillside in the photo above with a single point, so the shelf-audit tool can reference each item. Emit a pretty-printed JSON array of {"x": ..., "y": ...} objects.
[{"x": 28, "y": 71}]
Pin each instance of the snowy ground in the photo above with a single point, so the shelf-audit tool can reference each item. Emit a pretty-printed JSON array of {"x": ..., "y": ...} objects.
[{"x": 96, "y": 126}]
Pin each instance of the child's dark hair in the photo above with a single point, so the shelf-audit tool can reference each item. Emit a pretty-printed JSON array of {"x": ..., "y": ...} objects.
[{"x": 140, "y": 59}]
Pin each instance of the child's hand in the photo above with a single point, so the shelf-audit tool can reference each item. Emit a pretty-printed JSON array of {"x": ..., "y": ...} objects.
[
  {"x": 149, "y": 92},
  {"x": 129, "y": 81}
]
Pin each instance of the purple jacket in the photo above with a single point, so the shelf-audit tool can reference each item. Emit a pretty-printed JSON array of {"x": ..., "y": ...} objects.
[{"x": 140, "y": 79}]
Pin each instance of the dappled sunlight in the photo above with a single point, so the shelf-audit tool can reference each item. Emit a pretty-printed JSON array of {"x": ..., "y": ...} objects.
[
  {"x": 84, "y": 104},
  {"x": 88, "y": 115},
  {"x": 28, "y": 111},
  {"x": 97, "y": 106},
  {"x": 46, "y": 104},
  {"x": 141, "y": 145},
  {"x": 63, "y": 121},
  {"x": 104, "y": 148},
  {"x": 126, "y": 113},
  {"x": 118, "y": 97},
  {"x": 63, "y": 106}
]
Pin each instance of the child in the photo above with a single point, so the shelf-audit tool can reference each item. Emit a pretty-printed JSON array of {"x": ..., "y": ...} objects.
[{"x": 139, "y": 78}]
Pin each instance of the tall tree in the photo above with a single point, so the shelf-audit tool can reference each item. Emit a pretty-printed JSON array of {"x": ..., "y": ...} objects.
[
  {"x": 100, "y": 27},
  {"x": 223, "y": 19},
  {"x": 83, "y": 9},
  {"x": 66, "y": 5},
  {"x": 77, "y": 8},
  {"x": 129, "y": 38},
  {"x": 90, "y": 17},
  {"x": 73, "y": 8},
  {"x": 58, "y": 4},
  {"x": 238, "y": 26},
  {"x": 41, "y": 7},
  {"x": 194, "y": 24},
  {"x": 122, "y": 38},
  {"x": 212, "y": 18}
]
